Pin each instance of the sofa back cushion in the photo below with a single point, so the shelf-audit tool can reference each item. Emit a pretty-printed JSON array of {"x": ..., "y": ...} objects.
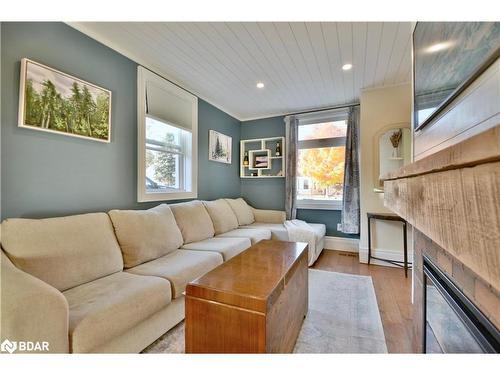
[
  {"x": 242, "y": 211},
  {"x": 145, "y": 235},
  {"x": 64, "y": 251},
  {"x": 193, "y": 221},
  {"x": 222, "y": 215}
]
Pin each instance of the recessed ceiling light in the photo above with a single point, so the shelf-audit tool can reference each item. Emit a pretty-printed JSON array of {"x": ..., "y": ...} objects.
[
  {"x": 439, "y": 47},
  {"x": 260, "y": 85},
  {"x": 347, "y": 67}
]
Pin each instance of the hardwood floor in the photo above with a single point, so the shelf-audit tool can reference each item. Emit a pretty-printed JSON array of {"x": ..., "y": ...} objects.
[{"x": 393, "y": 293}]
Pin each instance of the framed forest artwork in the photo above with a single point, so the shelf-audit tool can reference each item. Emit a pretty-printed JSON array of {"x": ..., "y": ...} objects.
[
  {"x": 53, "y": 101},
  {"x": 219, "y": 147}
]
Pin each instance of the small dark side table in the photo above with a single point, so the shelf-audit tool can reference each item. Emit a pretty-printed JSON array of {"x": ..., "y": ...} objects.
[{"x": 390, "y": 217}]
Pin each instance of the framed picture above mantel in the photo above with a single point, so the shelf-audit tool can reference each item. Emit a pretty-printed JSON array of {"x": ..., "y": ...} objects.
[
  {"x": 448, "y": 57},
  {"x": 56, "y": 102}
]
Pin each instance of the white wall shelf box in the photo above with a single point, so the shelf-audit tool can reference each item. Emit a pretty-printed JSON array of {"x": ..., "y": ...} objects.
[{"x": 262, "y": 147}]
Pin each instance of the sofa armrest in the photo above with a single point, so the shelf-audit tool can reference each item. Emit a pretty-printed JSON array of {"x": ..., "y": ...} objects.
[
  {"x": 31, "y": 310},
  {"x": 269, "y": 216}
]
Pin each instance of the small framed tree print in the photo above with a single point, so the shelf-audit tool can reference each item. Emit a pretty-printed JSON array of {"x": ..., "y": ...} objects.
[{"x": 220, "y": 147}]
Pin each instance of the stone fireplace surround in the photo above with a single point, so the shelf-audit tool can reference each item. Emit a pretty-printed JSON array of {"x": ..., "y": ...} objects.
[{"x": 452, "y": 200}]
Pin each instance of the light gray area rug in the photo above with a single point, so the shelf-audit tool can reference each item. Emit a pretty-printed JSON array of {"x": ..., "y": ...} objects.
[{"x": 343, "y": 317}]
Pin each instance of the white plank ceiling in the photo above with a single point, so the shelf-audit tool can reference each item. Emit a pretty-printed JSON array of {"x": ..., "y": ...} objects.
[{"x": 299, "y": 63}]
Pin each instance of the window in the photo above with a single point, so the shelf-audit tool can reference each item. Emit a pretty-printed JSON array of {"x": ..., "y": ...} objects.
[
  {"x": 165, "y": 156},
  {"x": 167, "y": 161},
  {"x": 320, "y": 164}
]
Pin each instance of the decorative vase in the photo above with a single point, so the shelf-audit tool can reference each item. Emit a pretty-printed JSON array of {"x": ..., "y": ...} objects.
[
  {"x": 278, "y": 149},
  {"x": 395, "y": 153}
]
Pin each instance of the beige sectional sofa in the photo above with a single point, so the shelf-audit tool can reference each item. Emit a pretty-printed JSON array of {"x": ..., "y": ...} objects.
[{"x": 114, "y": 282}]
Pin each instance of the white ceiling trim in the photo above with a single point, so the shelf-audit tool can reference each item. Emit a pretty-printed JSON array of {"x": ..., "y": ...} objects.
[{"x": 306, "y": 110}]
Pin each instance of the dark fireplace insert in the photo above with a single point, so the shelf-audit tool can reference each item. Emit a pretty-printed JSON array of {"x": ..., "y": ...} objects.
[{"x": 452, "y": 322}]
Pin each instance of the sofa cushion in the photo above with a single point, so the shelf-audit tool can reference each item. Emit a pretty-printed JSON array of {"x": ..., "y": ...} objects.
[
  {"x": 319, "y": 233},
  {"x": 144, "y": 235},
  {"x": 278, "y": 231},
  {"x": 269, "y": 216},
  {"x": 227, "y": 247},
  {"x": 106, "y": 308},
  {"x": 242, "y": 210},
  {"x": 222, "y": 215},
  {"x": 64, "y": 251},
  {"x": 319, "y": 230},
  {"x": 180, "y": 267},
  {"x": 254, "y": 234},
  {"x": 193, "y": 221},
  {"x": 30, "y": 309}
]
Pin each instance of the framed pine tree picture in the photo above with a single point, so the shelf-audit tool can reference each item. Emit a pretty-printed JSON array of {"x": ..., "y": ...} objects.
[
  {"x": 219, "y": 147},
  {"x": 56, "y": 102}
]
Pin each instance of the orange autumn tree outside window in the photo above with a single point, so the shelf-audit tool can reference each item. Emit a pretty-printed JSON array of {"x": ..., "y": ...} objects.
[{"x": 321, "y": 159}]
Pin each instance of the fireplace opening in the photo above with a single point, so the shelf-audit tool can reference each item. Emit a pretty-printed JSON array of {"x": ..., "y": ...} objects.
[{"x": 452, "y": 323}]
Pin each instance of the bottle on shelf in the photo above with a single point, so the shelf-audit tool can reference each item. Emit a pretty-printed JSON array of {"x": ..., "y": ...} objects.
[
  {"x": 245, "y": 159},
  {"x": 278, "y": 149}
]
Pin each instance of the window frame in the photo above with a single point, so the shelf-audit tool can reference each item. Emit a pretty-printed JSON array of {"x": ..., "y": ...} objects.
[
  {"x": 318, "y": 204},
  {"x": 189, "y": 171}
]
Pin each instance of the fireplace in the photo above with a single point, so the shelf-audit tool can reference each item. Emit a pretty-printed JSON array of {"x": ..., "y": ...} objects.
[{"x": 451, "y": 322}]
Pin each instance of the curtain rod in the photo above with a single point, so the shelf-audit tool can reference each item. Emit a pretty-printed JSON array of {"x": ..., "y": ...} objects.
[{"x": 323, "y": 109}]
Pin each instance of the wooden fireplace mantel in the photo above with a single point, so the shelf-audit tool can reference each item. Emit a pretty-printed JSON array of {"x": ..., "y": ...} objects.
[{"x": 453, "y": 197}]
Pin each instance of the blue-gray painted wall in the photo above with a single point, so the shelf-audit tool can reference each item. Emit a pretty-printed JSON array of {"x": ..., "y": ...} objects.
[
  {"x": 270, "y": 193},
  {"x": 264, "y": 192},
  {"x": 216, "y": 180},
  {"x": 46, "y": 174}
]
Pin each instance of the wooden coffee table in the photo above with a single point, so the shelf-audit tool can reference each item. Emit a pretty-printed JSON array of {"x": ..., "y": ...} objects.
[{"x": 253, "y": 303}]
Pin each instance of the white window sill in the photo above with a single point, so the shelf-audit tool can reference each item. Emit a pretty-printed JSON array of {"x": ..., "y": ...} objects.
[
  {"x": 153, "y": 197},
  {"x": 319, "y": 205}
]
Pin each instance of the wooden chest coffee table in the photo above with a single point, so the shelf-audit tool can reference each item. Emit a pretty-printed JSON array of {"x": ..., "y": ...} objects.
[{"x": 253, "y": 303}]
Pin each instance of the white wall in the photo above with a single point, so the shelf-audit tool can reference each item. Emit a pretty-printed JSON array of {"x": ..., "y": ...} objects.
[
  {"x": 387, "y": 163},
  {"x": 379, "y": 108}
]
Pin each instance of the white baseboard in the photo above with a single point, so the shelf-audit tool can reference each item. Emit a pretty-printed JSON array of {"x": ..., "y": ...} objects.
[
  {"x": 342, "y": 244},
  {"x": 396, "y": 255}
]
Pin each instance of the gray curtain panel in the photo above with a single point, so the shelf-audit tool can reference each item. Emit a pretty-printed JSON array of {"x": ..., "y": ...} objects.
[
  {"x": 350, "y": 201},
  {"x": 291, "y": 167}
]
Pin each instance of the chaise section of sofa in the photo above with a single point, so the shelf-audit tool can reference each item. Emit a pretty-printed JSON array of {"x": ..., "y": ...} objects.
[{"x": 250, "y": 218}]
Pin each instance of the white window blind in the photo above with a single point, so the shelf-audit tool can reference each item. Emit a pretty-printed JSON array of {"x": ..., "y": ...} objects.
[{"x": 166, "y": 103}]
